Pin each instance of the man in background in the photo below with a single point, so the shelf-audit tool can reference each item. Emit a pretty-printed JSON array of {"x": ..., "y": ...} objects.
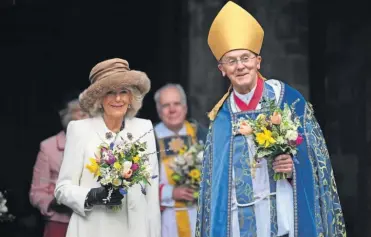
[{"x": 173, "y": 133}]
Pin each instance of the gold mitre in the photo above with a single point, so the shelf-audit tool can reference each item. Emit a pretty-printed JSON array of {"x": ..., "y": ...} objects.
[{"x": 234, "y": 28}]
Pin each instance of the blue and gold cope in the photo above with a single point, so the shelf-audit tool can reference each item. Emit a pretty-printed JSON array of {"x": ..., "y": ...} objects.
[{"x": 317, "y": 209}]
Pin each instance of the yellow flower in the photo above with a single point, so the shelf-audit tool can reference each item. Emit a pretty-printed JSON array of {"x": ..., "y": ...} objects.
[
  {"x": 183, "y": 150},
  {"x": 265, "y": 138},
  {"x": 117, "y": 165},
  {"x": 195, "y": 174},
  {"x": 261, "y": 117},
  {"x": 136, "y": 159},
  {"x": 93, "y": 167}
]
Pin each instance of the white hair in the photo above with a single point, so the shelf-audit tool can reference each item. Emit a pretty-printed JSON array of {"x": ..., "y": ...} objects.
[
  {"x": 66, "y": 113},
  {"x": 183, "y": 95},
  {"x": 136, "y": 104}
]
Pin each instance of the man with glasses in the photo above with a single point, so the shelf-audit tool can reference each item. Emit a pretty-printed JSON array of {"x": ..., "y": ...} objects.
[
  {"x": 239, "y": 195},
  {"x": 173, "y": 133}
]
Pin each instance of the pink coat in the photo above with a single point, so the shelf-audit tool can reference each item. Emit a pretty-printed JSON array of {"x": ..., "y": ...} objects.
[{"x": 45, "y": 175}]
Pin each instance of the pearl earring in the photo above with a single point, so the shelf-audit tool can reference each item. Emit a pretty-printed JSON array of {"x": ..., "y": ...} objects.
[{"x": 129, "y": 106}]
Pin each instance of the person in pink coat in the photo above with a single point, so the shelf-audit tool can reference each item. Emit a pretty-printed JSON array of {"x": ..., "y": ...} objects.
[{"x": 46, "y": 170}]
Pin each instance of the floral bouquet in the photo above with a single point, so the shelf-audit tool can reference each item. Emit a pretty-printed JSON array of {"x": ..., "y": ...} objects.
[
  {"x": 4, "y": 216},
  {"x": 122, "y": 165},
  {"x": 187, "y": 168},
  {"x": 275, "y": 132}
]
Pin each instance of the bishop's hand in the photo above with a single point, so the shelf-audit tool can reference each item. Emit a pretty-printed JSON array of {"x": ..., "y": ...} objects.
[{"x": 283, "y": 164}]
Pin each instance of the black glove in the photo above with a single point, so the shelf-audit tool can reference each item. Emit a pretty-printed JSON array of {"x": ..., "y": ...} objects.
[
  {"x": 98, "y": 196},
  {"x": 60, "y": 208}
]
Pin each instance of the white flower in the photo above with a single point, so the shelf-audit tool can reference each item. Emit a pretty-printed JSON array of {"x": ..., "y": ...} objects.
[
  {"x": 126, "y": 183},
  {"x": 180, "y": 160},
  {"x": 189, "y": 159},
  {"x": 105, "y": 156},
  {"x": 291, "y": 135},
  {"x": 126, "y": 166},
  {"x": 3, "y": 208},
  {"x": 280, "y": 140},
  {"x": 192, "y": 149},
  {"x": 148, "y": 168},
  {"x": 200, "y": 156}
]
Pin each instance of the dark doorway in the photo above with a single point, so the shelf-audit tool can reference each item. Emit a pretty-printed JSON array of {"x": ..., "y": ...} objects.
[{"x": 48, "y": 48}]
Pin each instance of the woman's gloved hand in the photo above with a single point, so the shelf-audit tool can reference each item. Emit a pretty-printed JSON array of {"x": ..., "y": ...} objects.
[{"x": 98, "y": 196}]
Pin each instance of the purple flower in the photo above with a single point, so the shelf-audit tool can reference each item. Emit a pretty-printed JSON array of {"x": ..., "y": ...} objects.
[
  {"x": 134, "y": 166},
  {"x": 111, "y": 159},
  {"x": 123, "y": 191},
  {"x": 143, "y": 189}
]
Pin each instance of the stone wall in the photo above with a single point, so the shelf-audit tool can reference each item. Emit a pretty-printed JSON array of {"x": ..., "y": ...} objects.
[
  {"x": 205, "y": 82},
  {"x": 7, "y": 3},
  {"x": 285, "y": 47},
  {"x": 347, "y": 114}
]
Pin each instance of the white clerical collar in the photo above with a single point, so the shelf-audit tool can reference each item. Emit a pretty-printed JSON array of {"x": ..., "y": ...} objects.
[
  {"x": 245, "y": 97},
  {"x": 163, "y": 131}
]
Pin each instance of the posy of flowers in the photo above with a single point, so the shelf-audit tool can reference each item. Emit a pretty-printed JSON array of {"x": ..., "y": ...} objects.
[
  {"x": 275, "y": 132},
  {"x": 4, "y": 215},
  {"x": 122, "y": 165},
  {"x": 187, "y": 167}
]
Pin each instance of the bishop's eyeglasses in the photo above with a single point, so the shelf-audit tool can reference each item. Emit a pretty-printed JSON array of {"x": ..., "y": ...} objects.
[{"x": 234, "y": 61}]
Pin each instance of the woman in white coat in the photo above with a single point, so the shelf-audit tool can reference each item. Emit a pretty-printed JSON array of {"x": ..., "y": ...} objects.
[{"x": 113, "y": 99}]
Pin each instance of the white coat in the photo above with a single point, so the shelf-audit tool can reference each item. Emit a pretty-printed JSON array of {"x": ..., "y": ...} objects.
[{"x": 140, "y": 214}]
